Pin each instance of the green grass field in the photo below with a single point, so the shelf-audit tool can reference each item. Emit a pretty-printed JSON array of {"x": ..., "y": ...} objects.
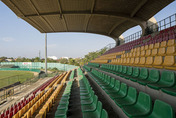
[{"x": 10, "y": 77}]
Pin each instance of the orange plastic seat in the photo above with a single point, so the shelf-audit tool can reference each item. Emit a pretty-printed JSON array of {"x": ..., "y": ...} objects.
[
  {"x": 128, "y": 61},
  {"x": 146, "y": 47},
  {"x": 136, "y": 61},
  {"x": 151, "y": 46},
  {"x": 132, "y": 61},
  {"x": 171, "y": 50},
  {"x": 138, "y": 49},
  {"x": 154, "y": 52},
  {"x": 169, "y": 62},
  {"x": 148, "y": 53},
  {"x": 162, "y": 51},
  {"x": 171, "y": 42},
  {"x": 149, "y": 62},
  {"x": 157, "y": 45},
  {"x": 142, "y": 53},
  {"x": 158, "y": 61},
  {"x": 142, "y": 48},
  {"x": 163, "y": 44},
  {"x": 138, "y": 53},
  {"x": 142, "y": 61}
]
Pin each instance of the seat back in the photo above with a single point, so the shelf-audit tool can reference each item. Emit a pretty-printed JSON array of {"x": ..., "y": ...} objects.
[
  {"x": 120, "y": 68},
  {"x": 130, "y": 71},
  {"x": 158, "y": 60},
  {"x": 124, "y": 69},
  {"x": 104, "y": 114},
  {"x": 142, "y": 61},
  {"x": 117, "y": 85},
  {"x": 154, "y": 75},
  {"x": 144, "y": 101},
  {"x": 163, "y": 44},
  {"x": 135, "y": 72},
  {"x": 149, "y": 61},
  {"x": 162, "y": 110},
  {"x": 143, "y": 73},
  {"x": 112, "y": 82},
  {"x": 171, "y": 42},
  {"x": 132, "y": 94},
  {"x": 169, "y": 61},
  {"x": 123, "y": 88},
  {"x": 171, "y": 50},
  {"x": 154, "y": 52},
  {"x": 157, "y": 45},
  {"x": 167, "y": 78}
]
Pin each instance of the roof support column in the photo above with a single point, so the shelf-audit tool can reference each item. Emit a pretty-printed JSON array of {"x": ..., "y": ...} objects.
[{"x": 46, "y": 53}]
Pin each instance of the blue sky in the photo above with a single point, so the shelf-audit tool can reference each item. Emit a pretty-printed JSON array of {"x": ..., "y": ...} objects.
[{"x": 18, "y": 38}]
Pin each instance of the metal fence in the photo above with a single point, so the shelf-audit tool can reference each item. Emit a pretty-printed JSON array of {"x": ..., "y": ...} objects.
[{"x": 160, "y": 25}]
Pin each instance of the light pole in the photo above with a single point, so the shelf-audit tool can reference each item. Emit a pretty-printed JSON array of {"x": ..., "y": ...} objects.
[{"x": 46, "y": 53}]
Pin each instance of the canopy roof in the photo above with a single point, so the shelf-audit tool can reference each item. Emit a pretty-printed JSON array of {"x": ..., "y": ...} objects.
[{"x": 107, "y": 17}]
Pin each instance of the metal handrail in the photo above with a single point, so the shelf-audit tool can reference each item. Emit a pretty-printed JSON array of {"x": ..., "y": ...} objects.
[{"x": 160, "y": 25}]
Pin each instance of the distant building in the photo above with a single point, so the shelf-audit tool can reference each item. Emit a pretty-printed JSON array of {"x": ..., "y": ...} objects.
[
  {"x": 52, "y": 57},
  {"x": 64, "y": 57},
  {"x": 8, "y": 60}
]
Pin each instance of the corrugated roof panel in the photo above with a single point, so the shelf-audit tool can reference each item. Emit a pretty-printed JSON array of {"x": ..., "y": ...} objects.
[
  {"x": 47, "y": 6},
  {"x": 76, "y": 5},
  {"x": 102, "y": 24},
  {"x": 76, "y": 22},
  {"x": 57, "y": 23}
]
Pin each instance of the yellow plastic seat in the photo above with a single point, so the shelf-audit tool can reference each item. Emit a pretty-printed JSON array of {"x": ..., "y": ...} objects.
[
  {"x": 169, "y": 62},
  {"x": 148, "y": 53},
  {"x": 134, "y": 54},
  {"x": 127, "y": 55},
  {"x": 142, "y": 48},
  {"x": 130, "y": 54},
  {"x": 135, "y": 49},
  {"x": 121, "y": 61},
  {"x": 163, "y": 44},
  {"x": 124, "y": 61},
  {"x": 138, "y": 49},
  {"x": 154, "y": 52},
  {"x": 142, "y": 62},
  {"x": 124, "y": 55},
  {"x": 132, "y": 61},
  {"x": 162, "y": 51},
  {"x": 142, "y": 53},
  {"x": 128, "y": 61},
  {"x": 158, "y": 61},
  {"x": 138, "y": 53},
  {"x": 136, "y": 61},
  {"x": 171, "y": 50},
  {"x": 151, "y": 46},
  {"x": 171, "y": 42},
  {"x": 146, "y": 47},
  {"x": 132, "y": 50},
  {"x": 149, "y": 62},
  {"x": 157, "y": 45}
]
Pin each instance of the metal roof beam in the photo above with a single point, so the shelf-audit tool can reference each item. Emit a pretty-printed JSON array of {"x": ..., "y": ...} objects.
[
  {"x": 59, "y": 4},
  {"x": 138, "y": 7}
]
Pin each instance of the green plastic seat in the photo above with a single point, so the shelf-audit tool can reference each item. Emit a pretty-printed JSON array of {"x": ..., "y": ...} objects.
[
  {"x": 87, "y": 96},
  {"x": 111, "y": 85},
  {"x": 121, "y": 93},
  {"x": 61, "y": 113},
  {"x": 161, "y": 110},
  {"x": 167, "y": 80},
  {"x": 124, "y": 71},
  {"x": 104, "y": 114},
  {"x": 170, "y": 91},
  {"x": 90, "y": 107},
  {"x": 62, "y": 106},
  {"x": 143, "y": 74},
  {"x": 129, "y": 99},
  {"x": 120, "y": 69},
  {"x": 141, "y": 108},
  {"x": 115, "y": 89},
  {"x": 135, "y": 74},
  {"x": 129, "y": 73},
  {"x": 88, "y": 101},
  {"x": 154, "y": 77},
  {"x": 64, "y": 101},
  {"x": 94, "y": 114}
]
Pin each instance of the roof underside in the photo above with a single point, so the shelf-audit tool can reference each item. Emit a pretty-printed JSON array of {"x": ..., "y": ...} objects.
[{"x": 107, "y": 17}]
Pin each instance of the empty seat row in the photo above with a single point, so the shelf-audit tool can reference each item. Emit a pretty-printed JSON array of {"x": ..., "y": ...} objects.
[
  {"x": 167, "y": 62},
  {"x": 62, "y": 108},
  {"x": 91, "y": 107},
  {"x": 72, "y": 75},
  {"x": 152, "y": 78},
  {"x": 132, "y": 103},
  {"x": 94, "y": 64}
]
